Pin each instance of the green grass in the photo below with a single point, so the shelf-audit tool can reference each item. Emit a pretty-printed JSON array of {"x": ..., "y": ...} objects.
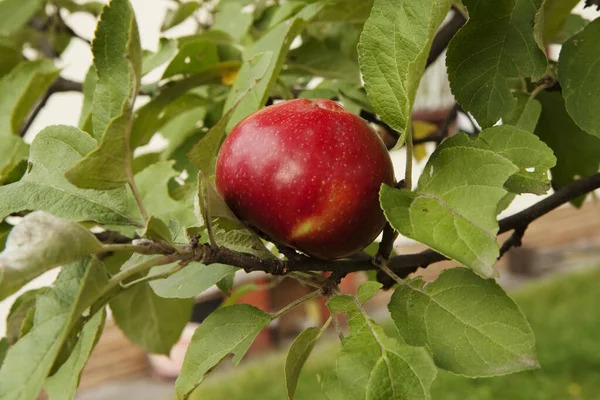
[{"x": 564, "y": 312}]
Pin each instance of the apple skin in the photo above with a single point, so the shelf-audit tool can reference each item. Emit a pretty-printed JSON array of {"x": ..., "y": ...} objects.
[{"x": 307, "y": 173}]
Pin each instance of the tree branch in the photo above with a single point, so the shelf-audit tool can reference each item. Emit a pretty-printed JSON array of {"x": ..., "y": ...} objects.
[
  {"x": 402, "y": 265},
  {"x": 444, "y": 35}
]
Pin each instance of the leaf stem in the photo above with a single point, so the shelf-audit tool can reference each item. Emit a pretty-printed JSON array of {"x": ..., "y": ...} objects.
[
  {"x": 136, "y": 194},
  {"x": 106, "y": 294},
  {"x": 295, "y": 303},
  {"x": 537, "y": 91},
  {"x": 409, "y": 156},
  {"x": 111, "y": 247},
  {"x": 149, "y": 278}
]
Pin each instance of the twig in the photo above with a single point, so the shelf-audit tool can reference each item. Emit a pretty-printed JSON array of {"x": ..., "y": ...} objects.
[
  {"x": 443, "y": 131},
  {"x": 294, "y": 304},
  {"x": 444, "y": 35},
  {"x": 409, "y": 156},
  {"x": 515, "y": 240}
]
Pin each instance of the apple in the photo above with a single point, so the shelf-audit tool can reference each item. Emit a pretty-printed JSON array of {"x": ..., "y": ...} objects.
[{"x": 307, "y": 173}]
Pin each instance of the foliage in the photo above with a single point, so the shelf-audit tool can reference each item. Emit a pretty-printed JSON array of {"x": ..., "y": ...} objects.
[{"x": 144, "y": 234}]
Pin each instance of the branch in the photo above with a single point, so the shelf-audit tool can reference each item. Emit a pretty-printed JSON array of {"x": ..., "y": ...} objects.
[{"x": 444, "y": 35}]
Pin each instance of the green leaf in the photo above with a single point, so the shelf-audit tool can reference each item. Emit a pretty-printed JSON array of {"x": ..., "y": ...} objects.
[
  {"x": 89, "y": 87},
  {"x": 149, "y": 118},
  {"x": 152, "y": 183},
  {"x": 167, "y": 48},
  {"x": 152, "y": 322},
  {"x": 23, "y": 306},
  {"x": 533, "y": 157},
  {"x": 3, "y": 349},
  {"x": 117, "y": 59},
  {"x": 20, "y": 89},
  {"x": 353, "y": 11},
  {"x": 572, "y": 26},
  {"x": 30, "y": 360},
  {"x": 471, "y": 326},
  {"x": 555, "y": 14},
  {"x": 180, "y": 14},
  {"x": 44, "y": 188},
  {"x": 39, "y": 243},
  {"x": 157, "y": 229},
  {"x": 440, "y": 212},
  {"x": 372, "y": 365},
  {"x": 192, "y": 280},
  {"x": 297, "y": 355},
  {"x": 204, "y": 153},
  {"x": 265, "y": 59},
  {"x": 232, "y": 19},
  {"x": 367, "y": 290},
  {"x": 313, "y": 57},
  {"x": 92, "y": 7},
  {"x": 11, "y": 57},
  {"x": 496, "y": 43},
  {"x": 225, "y": 331},
  {"x": 579, "y": 74},
  {"x": 63, "y": 384},
  {"x": 13, "y": 151},
  {"x": 525, "y": 114},
  {"x": 577, "y": 153},
  {"x": 193, "y": 56},
  {"x": 15, "y": 13},
  {"x": 392, "y": 51}
]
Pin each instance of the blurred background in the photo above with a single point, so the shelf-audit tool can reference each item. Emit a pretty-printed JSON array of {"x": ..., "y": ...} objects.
[{"x": 553, "y": 277}]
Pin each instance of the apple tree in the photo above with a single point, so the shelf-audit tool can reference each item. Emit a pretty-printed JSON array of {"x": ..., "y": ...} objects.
[{"x": 144, "y": 234}]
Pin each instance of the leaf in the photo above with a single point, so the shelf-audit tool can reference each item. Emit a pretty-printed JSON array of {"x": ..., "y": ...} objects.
[
  {"x": 297, "y": 355},
  {"x": 496, "y": 43},
  {"x": 525, "y": 114},
  {"x": 180, "y": 14},
  {"x": 367, "y": 290},
  {"x": 354, "y": 11},
  {"x": 20, "y": 311},
  {"x": 152, "y": 322},
  {"x": 39, "y": 243},
  {"x": 117, "y": 59},
  {"x": 193, "y": 56},
  {"x": 579, "y": 74},
  {"x": 89, "y": 87},
  {"x": 15, "y": 13},
  {"x": 3, "y": 350},
  {"x": 232, "y": 19},
  {"x": 204, "y": 153},
  {"x": 167, "y": 48},
  {"x": 225, "y": 331},
  {"x": 472, "y": 327},
  {"x": 152, "y": 183},
  {"x": 11, "y": 57},
  {"x": 156, "y": 228},
  {"x": 265, "y": 59},
  {"x": 572, "y": 26},
  {"x": 372, "y": 365},
  {"x": 533, "y": 157},
  {"x": 577, "y": 153},
  {"x": 440, "y": 213},
  {"x": 43, "y": 187},
  {"x": 313, "y": 57},
  {"x": 20, "y": 89},
  {"x": 147, "y": 119},
  {"x": 555, "y": 14},
  {"x": 13, "y": 151},
  {"x": 392, "y": 52},
  {"x": 63, "y": 384},
  {"x": 192, "y": 280},
  {"x": 30, "y": 360}
]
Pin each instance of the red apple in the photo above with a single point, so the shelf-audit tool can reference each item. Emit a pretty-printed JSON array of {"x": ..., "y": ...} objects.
[{"x": 307, "y": 173}]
